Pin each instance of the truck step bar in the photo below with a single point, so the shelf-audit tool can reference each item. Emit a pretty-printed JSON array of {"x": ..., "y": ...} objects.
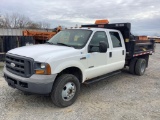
[{"x": 103, "y": 77}]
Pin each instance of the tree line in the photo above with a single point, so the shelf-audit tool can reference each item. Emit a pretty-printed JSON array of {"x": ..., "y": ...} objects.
[{"x": 16, "y": 20}]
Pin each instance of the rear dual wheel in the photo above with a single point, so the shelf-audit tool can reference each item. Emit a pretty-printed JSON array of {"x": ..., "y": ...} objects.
[
  {"x": 132, "y": 65},
  {"x": 137, "y": 66},
  {"x": 140, "y": 66}
]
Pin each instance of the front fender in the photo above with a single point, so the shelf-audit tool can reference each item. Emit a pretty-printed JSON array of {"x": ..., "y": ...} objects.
[{"x": 60, "y": 67}]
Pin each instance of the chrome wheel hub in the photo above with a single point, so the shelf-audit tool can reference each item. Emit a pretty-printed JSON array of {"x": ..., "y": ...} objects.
[{"x": 68, "y": 91}]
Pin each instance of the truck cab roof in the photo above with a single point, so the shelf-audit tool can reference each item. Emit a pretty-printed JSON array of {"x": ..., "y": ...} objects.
[{"x": 94, "y": 29}]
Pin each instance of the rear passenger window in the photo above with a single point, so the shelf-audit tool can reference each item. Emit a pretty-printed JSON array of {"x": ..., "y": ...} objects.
[{"x": 116, "y": 41}]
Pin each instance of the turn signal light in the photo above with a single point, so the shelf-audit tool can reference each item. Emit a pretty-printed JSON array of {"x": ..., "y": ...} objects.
[
  {"x": 48, "y": 69},
  {"x": 40, "y": 72}
]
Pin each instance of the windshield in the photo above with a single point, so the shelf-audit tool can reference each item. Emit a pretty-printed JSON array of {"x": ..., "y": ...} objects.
[{"x": 72, "y": 38}]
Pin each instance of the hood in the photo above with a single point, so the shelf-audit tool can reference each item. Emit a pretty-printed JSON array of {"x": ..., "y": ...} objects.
[{"x": 41, "y": 52}]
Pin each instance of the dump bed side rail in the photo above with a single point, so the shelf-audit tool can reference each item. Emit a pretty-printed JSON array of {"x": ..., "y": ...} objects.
[{"x": 138, "y": 48}]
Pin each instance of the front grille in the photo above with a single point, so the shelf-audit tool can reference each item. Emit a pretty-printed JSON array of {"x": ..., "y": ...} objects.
[{"x": 19, "y": 65}]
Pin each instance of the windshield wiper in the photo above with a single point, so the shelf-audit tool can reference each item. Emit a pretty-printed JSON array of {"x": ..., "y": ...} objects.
[
  {"x": 64, "y": 44},
  {"x": 49, "y": 43}
]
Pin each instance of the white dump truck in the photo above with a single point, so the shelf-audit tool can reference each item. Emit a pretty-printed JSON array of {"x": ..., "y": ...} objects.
[{"x": 74, "y": 56}]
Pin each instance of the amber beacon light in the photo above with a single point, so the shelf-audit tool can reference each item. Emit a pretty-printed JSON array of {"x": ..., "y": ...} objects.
[{"x": 97, "y": 22}]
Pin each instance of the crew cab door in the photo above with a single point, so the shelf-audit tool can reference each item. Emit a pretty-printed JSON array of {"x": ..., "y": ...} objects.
[
  {"x": 118, "y": 51},
  {"x": 97, "y": 62}
]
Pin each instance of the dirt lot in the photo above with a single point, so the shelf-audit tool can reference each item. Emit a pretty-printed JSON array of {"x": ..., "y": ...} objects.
[{"x": 122, "y": 97}]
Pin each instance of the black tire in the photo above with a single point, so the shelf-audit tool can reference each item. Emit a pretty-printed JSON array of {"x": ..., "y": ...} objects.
[
  {"x": 132, "y": 65},
  {"x": 140, "y": 66},
  {"x": 60, "y": 89}
]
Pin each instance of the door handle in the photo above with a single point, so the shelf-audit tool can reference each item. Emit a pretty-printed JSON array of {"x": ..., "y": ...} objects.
[
  {"x": 82, "y": 58},
  {"x": 122, "y": 52},
  {"x": 110, "y": 54}
]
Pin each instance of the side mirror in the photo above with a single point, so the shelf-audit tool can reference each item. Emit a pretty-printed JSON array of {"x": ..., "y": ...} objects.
[{"x": 102, "y": 47}]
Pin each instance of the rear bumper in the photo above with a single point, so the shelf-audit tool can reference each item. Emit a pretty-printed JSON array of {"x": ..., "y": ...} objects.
[{"x": 38, "y": 84}]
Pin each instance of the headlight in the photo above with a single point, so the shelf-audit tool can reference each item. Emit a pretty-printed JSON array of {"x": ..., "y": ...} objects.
[
  {"x": 42, "y": 68},
  {"x": 43, "y": 65}
]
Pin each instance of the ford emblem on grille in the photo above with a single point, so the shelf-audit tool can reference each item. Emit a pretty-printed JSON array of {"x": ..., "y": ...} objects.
[{"x": 13, "y": 65}]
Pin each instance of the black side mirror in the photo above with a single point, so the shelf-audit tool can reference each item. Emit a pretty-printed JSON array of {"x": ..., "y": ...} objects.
[{"x": 102, "y": 47}]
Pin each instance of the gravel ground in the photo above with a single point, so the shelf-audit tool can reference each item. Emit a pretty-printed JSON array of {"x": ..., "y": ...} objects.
[{"x": 122, "y": 97}]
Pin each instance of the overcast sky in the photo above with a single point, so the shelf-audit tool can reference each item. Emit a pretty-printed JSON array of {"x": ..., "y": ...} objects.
[{"x": 143, "y": 14}]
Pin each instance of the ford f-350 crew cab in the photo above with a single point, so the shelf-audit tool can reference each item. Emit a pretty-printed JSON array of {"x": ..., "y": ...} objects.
[{"x": 75, "y": 56}]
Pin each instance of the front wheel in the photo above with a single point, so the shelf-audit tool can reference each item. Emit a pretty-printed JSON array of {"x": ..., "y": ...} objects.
[{"x": 65, "y": 90}]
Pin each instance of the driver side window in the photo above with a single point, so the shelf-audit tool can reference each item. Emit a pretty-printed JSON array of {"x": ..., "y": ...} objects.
[{"x": 97, "y": 37}]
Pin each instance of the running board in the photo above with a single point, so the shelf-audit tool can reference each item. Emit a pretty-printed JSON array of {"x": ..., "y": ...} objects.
[{"x": 103, "y": 77}]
